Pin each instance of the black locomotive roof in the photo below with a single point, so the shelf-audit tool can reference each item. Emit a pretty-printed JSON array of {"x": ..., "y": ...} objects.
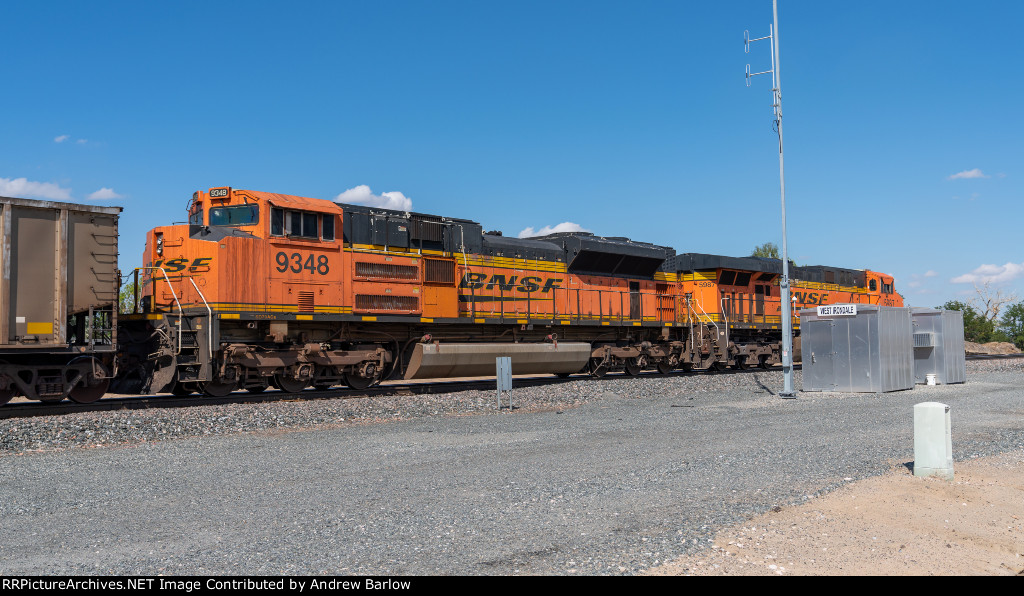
[
  {"x": 585, "y": 253},
  {"x": 363, "y": 224},
  {"x": 702, "y": 262},
  {"x": 588, "y": 254},
  {"x": 830, "y": 275},
  {"x": 689, "y": 262},
  {"x": 395, "y": 213},
  {"x": 522, "y": 248}
]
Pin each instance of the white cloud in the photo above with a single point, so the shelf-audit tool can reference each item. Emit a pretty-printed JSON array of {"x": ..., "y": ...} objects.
[
  {"x": 361, "y": 195},
  {"x": 565, "y": 226},
  {"x": 991, "y": 273},
  {"x": 975, "y": 173},
  {"x": 930, "y": 273},
  {"x": 61, "y": 138},
  {"x": 81, "y": 141},
  {"x": 22, "y": 187},
  {"x": 104, "y": 194}
]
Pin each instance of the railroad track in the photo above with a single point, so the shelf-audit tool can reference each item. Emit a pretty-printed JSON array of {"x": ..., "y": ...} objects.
[
  {"x": 30, "y": 409},
  {"x": 994, "y": 356}
]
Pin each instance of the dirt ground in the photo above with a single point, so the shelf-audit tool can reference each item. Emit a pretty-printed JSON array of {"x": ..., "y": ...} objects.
[{"x": 895, "y": 524}]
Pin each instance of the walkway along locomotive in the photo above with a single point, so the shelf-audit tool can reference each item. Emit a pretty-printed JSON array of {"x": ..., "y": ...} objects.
[{"x": 263, "y": 289}]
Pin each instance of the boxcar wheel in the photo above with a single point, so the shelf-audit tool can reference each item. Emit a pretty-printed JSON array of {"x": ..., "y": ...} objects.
[
  {"x": 8, "y": 394},
  {"x": 89, "y": 388}
]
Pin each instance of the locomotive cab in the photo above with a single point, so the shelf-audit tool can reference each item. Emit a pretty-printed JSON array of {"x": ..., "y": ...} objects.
[{"x": 243, "y": 250}]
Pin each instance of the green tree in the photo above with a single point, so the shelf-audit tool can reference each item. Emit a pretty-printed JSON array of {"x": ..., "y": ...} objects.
[
  {"x": 126, "y": 297},
  {"x": 976, "y": 327},
  {"x": 768, "y": 250},
  {"x": 1012, "y": 324}
]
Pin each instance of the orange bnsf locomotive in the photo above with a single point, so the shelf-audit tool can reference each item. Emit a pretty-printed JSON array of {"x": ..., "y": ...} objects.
[{"x": 262, "y": 289}]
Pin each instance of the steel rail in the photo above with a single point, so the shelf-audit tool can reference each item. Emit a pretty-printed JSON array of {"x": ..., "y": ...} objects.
[{"x": 400, "y": 389}]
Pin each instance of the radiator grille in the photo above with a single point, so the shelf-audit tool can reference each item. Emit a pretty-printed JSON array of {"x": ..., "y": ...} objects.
[
  {"x": 305, "y": 301},
  {"x": 429, "y": 229},
  {"x": 436, "y": 271},
  {"x": 923, "y": 340},
  {"x": 386, "y": 271},
  {"x": 378, "y": 302}
]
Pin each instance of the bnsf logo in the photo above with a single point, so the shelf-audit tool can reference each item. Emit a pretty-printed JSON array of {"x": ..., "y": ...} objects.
[
  {"x": 810, "y": 298},
  {"x": 479, "y": 281},
  {"x": 179, "y": 264}
]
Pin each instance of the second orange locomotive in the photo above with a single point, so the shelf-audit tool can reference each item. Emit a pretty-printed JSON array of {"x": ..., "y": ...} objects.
[{"x": 265, "y": 289}]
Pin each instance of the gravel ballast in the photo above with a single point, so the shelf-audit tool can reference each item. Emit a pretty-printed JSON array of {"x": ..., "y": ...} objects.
[{"x": 607, "y": 477}]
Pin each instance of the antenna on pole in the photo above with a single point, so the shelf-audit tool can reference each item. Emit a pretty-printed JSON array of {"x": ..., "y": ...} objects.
[{"x": 787, "y": 307}]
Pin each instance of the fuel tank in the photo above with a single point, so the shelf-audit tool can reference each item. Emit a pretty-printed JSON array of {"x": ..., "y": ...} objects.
[{"x": 430, "y": 361}]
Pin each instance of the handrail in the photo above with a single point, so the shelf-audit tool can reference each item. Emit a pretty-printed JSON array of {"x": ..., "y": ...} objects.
[
  {"x": 725, "y": 317},
  {"x": 209, "y": 322},
  {"x": 181, "y": 315}
]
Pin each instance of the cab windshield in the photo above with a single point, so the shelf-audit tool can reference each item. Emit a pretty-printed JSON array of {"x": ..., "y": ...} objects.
[{"x": 241, "y": 215}]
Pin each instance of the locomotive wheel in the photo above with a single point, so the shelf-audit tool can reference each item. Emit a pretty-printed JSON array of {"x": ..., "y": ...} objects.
[
  {"x": 664, "y": 367},
  {"x": 87, "y": 392},
  {"x": 357, "y": 382},
  {"x": 741, "y": 364},
  {"x": 219, "y": 388},
  {"x": 598, "y": 368},
  {"x": 632, "y": 367},
  {"x": 762, "y": 362},
  {"x": 289, "y": 384}
]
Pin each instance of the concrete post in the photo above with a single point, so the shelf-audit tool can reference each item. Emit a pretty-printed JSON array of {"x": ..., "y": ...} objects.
[{"x": 933, "y": 441}]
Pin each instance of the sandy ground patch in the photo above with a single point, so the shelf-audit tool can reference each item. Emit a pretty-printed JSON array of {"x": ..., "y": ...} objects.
[{"x": 895, "y": 524}]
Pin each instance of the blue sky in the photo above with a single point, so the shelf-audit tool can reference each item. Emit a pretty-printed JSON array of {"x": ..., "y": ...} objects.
[{"x": 903, "y": 122}]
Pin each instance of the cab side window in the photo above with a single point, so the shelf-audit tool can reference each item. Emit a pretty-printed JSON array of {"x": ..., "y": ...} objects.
[
  {"x": 301, "y": 224},
  {"x": 873, "y": 286}
]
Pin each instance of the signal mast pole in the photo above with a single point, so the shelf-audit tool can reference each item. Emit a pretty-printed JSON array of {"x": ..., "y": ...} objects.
[{"x": 787, "y": 306}]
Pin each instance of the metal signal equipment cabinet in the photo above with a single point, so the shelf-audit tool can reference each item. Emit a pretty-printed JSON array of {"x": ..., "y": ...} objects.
[
  {"x": 58, "y": 299},
  {"x": 862, "y": 349},
  {"x": 939, "y": 345}
]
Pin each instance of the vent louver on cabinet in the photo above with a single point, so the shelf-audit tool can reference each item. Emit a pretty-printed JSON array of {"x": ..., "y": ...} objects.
[
  {"x": 368, "y": 302},
  {"x": 386, "y": 271},
  {"x": 437, "y": 271},
  {"x": 305, "y": 302}
]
